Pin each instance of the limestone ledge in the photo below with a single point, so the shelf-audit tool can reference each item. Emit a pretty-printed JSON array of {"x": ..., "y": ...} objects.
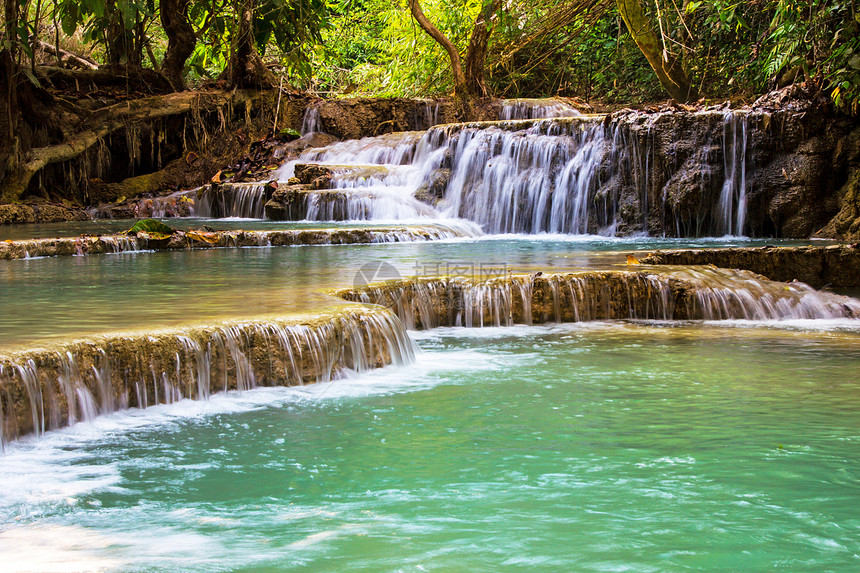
[
  {"x": 52, "y": 387},
  {"x": 836, "y": 266},
  {"x": 179, "y": 240},
  {"x": 692, "y": 293}
]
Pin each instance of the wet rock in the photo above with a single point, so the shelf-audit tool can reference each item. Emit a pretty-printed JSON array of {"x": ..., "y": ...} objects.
[
  {"x": 672, "y": 167},
  {"x": 288, "y": 203},
  {"x": 835, "y": 266},
  {"x": 203, "y": 239},
  {"x": 39, "y": 212},
  {"x": 433, "y": 190},
  {"x": 364, "y": 117},
  {"x": 694, "y": 293},
  {"x": 308, "y": 173},
  {"x": 47, "y": 388}
]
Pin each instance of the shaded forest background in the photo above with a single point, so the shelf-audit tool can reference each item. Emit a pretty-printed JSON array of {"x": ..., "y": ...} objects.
[{"x": 69, "y": 68}]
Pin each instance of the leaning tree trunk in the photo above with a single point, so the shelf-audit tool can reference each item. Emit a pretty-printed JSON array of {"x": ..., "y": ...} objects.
[
  {"x": 476, "y": 53},
  {"x": 460, "y": 87},
  {"x": 669, "y": 69},
  {"x": 246, "y": 66},
  {"x": 469, "y": 84},
  {"x": 181, "y": 40}
]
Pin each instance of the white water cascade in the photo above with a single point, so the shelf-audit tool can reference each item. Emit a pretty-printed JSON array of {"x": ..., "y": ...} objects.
[
  {"x": 44, "y": 389},
  {"x": 534, "y": 180},
  {"x": 311, "y": 122},
  {"x": 733, "y": 199},
  {"x": 561, "y": 174},
  {"x": 536, "y": 109},
  {"x": 243, "y": 200}
]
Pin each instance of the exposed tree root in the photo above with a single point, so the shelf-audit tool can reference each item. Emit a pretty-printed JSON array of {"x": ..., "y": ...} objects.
[{"x": 110, "y": 119}]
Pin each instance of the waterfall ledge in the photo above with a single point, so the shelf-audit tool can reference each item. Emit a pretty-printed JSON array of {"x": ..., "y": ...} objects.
[
  {"x": 682, "y": 293},
  {"x": 836, "y": 266},
  {"x": 48, "y": 388},
  {"x": 96, "y": 245}
]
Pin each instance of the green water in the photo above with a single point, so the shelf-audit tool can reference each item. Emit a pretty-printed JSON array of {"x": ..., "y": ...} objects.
[
  {"x": 592, "y": 448},
  {"x": 61, "y": 297}
]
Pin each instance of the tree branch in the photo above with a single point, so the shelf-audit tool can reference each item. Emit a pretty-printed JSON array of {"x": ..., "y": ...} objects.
[
  {"x": 110, "y": 119},
  {"x": 441, "y": 39}
]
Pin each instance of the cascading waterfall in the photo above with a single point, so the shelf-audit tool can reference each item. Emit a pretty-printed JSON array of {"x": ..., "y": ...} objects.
[
  {"x": 311, "y": 121},
  {"x": 47, "y": 389},
  {"x": 733, "y": 202},
  {"x": 695, "y": 293},
  {"x": 568, "y": 174},
  {"x": 241, "y": 200},
  {"x": 379, "y": 184},
  {"x": 538, "y": 179},
  {"x": 536, "y": 109}
]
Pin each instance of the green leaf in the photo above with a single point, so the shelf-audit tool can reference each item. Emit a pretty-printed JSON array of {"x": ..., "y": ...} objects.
[
  {"x": 33, "y": 79},
  {"x": 151, "y": 226}
]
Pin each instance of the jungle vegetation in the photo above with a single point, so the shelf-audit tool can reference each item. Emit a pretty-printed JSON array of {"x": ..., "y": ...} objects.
[{"x": 592, "y": 49}]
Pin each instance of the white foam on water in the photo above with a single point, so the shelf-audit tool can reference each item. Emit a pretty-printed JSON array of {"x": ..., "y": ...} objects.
[
  {"x": 835, "y": 325},
  {"x": 516, "y": 331},
  {"x": 38, "y": 474},
  {"x": 46, "y": 481},
  {"x": 54, "y": 548}
]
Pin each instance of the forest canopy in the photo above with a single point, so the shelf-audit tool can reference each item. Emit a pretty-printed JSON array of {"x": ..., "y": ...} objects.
[{"x": 579, "y": 48}]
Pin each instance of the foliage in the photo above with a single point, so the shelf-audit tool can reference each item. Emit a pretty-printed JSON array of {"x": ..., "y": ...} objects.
[{"x": 537, "y": 48}]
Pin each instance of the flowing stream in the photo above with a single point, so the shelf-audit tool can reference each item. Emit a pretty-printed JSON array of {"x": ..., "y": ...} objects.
[{"x": 527, "y": 401}]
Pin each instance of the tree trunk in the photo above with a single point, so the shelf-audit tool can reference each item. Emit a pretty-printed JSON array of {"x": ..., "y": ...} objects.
[
  {"x": 9, "y": 93},
  {"x": 460, "y": 87},
  {"x": 476, "y": 53},
  {"x": 119, "y": 38},
  {"x": 181, "y": 40},
  {"x": 246, "y": 66},
  {"x": 669, "y": 70}
]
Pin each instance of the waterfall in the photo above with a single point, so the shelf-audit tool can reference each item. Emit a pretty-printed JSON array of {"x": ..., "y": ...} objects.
[
  {"x": 242, "y": 200},
  {"x": 45, "y": 389},
  {"x": 695, "y": 293},
  {"x": 311, "y": 122},
  {"x": 569, "y": 173},
  {"x": 539, "y": 179},
  {"x": 536, "y": 109},
  {"x": 732, "y": 207},
  {"x": 388, "y": 149}
]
